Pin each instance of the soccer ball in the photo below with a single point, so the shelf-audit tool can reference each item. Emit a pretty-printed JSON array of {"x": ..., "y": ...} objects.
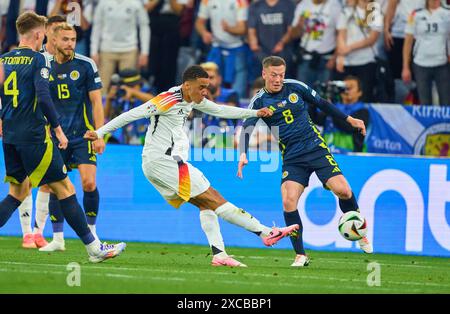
[{"x": 352, "y": 226}]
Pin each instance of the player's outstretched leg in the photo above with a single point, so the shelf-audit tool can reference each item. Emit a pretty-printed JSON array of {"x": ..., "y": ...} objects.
[
  {"x": 347, "y": 202},
  {"x": 25, "y": 213},
  {"x": 291, "y": 192},
  {"x": 237, "y": 216},
  {"x": 57, "y": 220},
  {"x": 210, "y": 226},
  {"x": 41, "y": 215}
]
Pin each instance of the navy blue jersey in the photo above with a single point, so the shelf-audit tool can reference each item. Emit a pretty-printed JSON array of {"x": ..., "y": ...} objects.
[
  {"x": 70, "y": 84},
  {"x": 297, "y": 134},
  {"x": 27, "y": 74}
]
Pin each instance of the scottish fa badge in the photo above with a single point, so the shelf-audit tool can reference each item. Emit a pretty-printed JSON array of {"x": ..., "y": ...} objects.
[
  {"x": 293, "y": 98},
  {"x": 74, "y": 75}
]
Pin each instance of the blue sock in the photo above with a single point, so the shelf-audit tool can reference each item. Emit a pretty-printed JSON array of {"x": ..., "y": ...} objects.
[
  {"x": 56, "y": 215},
  {"x": 7, "y": 208},
  {"x": 297, "y": 241},
  {"x": 349, "y": 205},
  {"x": 74, "y": 215},
  {"x": 91, "y": 201}
]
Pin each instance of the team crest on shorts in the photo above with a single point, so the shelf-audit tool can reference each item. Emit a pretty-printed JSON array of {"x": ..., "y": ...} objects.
[
  {"x": 74, "y": 75},
  {"x": 293, "y": 98},
  {"x": 285, "y": 174},
  {"x": 64, "y": 169}
]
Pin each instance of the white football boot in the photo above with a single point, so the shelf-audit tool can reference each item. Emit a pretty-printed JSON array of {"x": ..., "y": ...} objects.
[
  {"x": 365, "y": 245},
  {"x": 301, "y": 261}
]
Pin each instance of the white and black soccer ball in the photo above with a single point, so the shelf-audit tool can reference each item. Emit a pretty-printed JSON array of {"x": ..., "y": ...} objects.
[{"x": 352, "y": 226}]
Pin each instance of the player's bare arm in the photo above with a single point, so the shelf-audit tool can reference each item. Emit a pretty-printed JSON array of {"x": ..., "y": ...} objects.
[{"x": 99, "y": 117}]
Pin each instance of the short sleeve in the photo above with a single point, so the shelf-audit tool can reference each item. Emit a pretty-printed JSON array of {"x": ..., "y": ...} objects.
[
  {"x": 342, "y": 21},
  {"x": 242, "y": 10},
  {"x": 93, "y": 79},
  {"x": 298, "y": 13},
  {"x": 411, "y": 23},
  {"x": 252, "y": 17},
  {"x": 203, "y": 11}
]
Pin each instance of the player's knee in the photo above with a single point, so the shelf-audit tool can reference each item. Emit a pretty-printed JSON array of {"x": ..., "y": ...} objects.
[
  {"x": 88, "y": 185},
  {"x": 344, "y": 193},
  {"x": 290, "y": 202}
]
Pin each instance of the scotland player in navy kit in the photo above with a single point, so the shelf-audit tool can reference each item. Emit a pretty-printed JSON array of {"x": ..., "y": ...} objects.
[
  {"x": 75, "y": 87},
  {"x": 30, "y": 154},
  {"x": 303, "y": 149}
]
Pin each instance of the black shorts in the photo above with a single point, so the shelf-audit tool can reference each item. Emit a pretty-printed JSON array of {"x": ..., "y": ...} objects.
[
  {"x": 79, "y": 152},
  {"x": 300, "y": 169},
  {"x": 42, "y": 163}
]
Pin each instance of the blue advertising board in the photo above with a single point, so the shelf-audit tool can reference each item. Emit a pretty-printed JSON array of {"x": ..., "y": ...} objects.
[{"x": 406, "y": 201}]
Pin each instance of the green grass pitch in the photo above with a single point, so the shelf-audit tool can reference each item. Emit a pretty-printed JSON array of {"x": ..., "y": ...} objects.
[{"x": 180, "y": 269}]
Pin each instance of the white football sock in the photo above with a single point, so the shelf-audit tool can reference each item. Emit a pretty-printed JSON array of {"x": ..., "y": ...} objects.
[
  {"x": 211, "y": 227},
  {"x": 93, "y": 248},
  {"x": 58, "y": 236},
  {"x": 41, "y": 211},
  {"x": 93, "y": 230},
  {"x": 239, "y": 217},
  {"x": 25, "y": 212}
]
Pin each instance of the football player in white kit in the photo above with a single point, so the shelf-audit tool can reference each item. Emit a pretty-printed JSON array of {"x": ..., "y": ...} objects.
[{"x": 165, "y": 153}]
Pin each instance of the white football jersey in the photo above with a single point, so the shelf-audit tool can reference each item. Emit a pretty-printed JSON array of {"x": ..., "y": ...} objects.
[
  {"x": 431, "y": 31},
  {"x": 168, "y": 112}
]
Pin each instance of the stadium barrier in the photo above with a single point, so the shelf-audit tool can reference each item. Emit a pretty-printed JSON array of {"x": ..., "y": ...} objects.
[{"x": 406, "y": 201}]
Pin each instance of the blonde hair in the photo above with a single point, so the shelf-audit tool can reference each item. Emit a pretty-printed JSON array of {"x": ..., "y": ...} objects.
[
  {"x": 210, "y": 66},
  {"x": 64, "y": 27},
  {"x": 29, "y": 21}
]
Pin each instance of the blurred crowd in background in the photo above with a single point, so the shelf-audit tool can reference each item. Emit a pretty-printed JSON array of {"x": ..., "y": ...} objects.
[{"x": 352, "y": 52}]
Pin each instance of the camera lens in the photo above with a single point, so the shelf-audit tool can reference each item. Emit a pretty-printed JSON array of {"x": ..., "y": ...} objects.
[{"x": 121, "y": 93}]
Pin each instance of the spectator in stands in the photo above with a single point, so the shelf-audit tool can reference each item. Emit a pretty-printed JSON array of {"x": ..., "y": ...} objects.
[
  {"x": 395, "y": 20},
  {"x": 188, "y": 52},
  {"x": 65, "y": 7},
  {"x": 339, "y": 135},
  {"x": 430, "y": 29},
  {"x": 269, "y": 27},
  {"x": 220, "y": 95},
  {"x": 17, "y": 7},
  {"x": 165, "y": 28},
  {"x": 228, "y": 20},
  {"x": 316, "y": 21},
  {"x": 358, "y": 31},
  {"x": 4, "y": 5},
  {"x": 126, "y": 92},
  {"x": 114, "y": 39}
]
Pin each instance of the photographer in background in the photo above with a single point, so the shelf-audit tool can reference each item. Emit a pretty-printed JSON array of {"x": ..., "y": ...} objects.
[
  {"x": 339, "y": 135},
  {"x": 126, "y": 92}
]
